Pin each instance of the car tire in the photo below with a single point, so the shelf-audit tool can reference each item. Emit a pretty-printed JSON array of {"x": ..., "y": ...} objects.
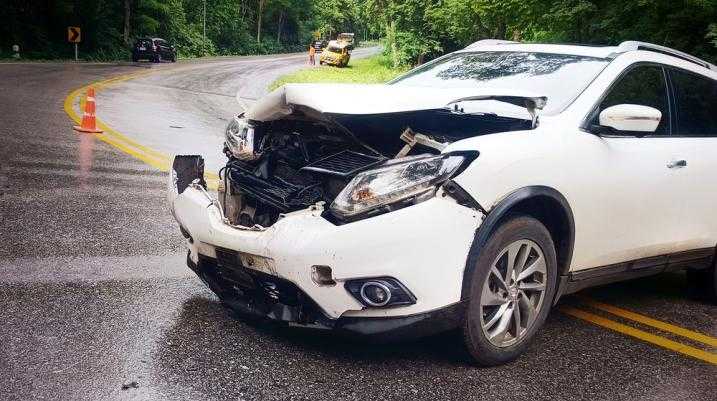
[
  {"x": 158, "y": 58},
  {"x": 493, "y": 332},
  {"x": 174, "y": 58}
]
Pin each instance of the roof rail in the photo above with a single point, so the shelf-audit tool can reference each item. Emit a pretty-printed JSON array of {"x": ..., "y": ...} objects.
[
  {"x": 636, "y": 45},
  {"x": 489, "y": 42}
]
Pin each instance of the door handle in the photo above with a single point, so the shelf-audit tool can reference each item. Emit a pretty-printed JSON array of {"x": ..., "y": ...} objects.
[{"x": 677, "y": 164}]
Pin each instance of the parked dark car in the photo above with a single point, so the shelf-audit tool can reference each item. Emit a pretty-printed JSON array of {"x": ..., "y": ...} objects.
[{"x": 153, "y": 49}]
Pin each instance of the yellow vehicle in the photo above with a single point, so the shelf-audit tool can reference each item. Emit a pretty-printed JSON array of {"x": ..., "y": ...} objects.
[{"x": 336, "y": 53}]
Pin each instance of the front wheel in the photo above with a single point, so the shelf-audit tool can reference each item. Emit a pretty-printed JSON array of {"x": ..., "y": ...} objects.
[{"x": 511, "y": 290}]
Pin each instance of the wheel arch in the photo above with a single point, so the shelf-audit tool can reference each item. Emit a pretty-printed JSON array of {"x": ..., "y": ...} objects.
[{"x": 543, "y": 203}]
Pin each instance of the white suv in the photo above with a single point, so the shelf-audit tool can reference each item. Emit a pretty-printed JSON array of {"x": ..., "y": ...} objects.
[{"x": 471, "y": 192}]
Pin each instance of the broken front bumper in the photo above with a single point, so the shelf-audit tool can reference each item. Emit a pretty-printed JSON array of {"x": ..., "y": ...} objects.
[
  {"x": 423, "y": 246},
  {"x": 274, "y": 299}
]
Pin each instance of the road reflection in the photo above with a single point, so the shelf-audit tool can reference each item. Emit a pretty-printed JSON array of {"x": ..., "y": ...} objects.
[{"x": 85, "y": 158}]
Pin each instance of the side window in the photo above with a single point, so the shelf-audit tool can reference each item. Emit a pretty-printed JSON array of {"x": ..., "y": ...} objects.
[
  {"x": 643, "y": 85},
  {"x": 696, "y": 100}
]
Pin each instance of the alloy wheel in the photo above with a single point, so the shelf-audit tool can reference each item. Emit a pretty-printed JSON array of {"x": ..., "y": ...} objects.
[{"x": 513, "y": 293}]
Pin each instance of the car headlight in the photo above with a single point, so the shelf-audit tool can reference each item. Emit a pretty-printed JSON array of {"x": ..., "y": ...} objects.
[
  {"x": 239, "y": 138},
  {"x": 407, "y": 179}
]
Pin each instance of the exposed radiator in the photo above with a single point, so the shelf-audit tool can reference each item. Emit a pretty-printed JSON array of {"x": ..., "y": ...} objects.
[
  {"x": 344, "y": 164},
  {"x": 282, "y": 195}
]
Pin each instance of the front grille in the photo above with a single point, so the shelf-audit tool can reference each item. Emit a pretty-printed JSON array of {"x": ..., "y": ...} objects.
[
  {"x": 344, "y": 163},
  {"x": 276, "y": 192}
]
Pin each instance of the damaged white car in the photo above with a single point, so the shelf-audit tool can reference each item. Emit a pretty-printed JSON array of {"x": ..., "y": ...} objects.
[{"x": 469, "y": 193}]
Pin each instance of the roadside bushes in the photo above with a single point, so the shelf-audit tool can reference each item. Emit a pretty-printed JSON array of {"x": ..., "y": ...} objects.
[{"x": 418, "y": 30}]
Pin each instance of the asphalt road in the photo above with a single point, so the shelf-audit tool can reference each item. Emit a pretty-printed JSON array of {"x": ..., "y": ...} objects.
[
  {"x": 183, "y": 109},
  {"x": 96, "y": 303}
]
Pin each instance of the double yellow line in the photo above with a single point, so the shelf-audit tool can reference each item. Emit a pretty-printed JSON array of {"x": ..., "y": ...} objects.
[
  {"x": 660, "y": 341},
  {"x": 160, "y": 161}
]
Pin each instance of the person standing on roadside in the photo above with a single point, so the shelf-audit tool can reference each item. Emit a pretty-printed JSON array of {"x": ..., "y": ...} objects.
[{"x": 312, "y": 55}]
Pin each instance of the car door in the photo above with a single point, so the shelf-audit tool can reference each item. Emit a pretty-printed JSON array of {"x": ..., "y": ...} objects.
[
  {"x": 162, "y": 48},
  {"x": 641, "y": 216},
  {"x": 167, "y": 50},
  {"x": 695, "y": 104}
]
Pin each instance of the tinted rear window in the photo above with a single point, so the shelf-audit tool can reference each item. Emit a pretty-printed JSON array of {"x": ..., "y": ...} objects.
[
  {"x": 143, "y": 43},
  {"x": 696, "y": 98}
]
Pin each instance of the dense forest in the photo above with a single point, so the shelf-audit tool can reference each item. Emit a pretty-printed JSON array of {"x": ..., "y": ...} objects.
[
  {"x": 231, "y": 26},
  {"x": 413, "y": 31}
]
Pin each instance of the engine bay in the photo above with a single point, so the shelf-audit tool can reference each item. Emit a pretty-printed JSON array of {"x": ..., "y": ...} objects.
[
  {"x": 298, "y": 161},
  {"x": 292, "y": 170}
]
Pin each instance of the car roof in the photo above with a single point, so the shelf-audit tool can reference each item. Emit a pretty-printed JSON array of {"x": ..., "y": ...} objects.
[
  {"x": 337, "y": 44},
  {"x": 606, "y": 52},
  {"x": 578, "y": 50}
]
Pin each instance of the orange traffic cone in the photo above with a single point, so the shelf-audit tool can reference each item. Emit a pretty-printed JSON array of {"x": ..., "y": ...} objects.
[{"x": 89, "y": 123}]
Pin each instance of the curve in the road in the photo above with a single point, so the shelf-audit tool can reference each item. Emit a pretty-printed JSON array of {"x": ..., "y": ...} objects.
[
  {"x": 181, "y": 109},
  {"x": 112, "y": 137}
]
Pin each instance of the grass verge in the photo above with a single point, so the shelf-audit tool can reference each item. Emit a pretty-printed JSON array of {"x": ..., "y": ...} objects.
[{"x": 372, "y": 70}]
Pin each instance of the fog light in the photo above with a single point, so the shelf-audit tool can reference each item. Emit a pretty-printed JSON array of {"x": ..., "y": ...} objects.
[
  {"x": 375, "y": 293},
  {"x": 380, "y": 292}
]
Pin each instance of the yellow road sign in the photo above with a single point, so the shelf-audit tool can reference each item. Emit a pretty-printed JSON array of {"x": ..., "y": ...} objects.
[{"x": 74, "y": 34}]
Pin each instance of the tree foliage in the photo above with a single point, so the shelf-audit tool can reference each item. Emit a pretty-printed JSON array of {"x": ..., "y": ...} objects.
[
  {"x": 232, "y": 26},
  {"x": 415, "y": 30},
  {"x": 420, "y": 29}
]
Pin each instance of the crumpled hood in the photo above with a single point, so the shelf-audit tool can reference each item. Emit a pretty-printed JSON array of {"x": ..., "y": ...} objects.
[{"x": 359, "y": 99}]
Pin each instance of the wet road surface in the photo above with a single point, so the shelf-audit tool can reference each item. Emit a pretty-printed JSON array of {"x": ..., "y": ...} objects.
[
  {"x": 96, "y": 303},
  {"x": 184, "y": 109}
]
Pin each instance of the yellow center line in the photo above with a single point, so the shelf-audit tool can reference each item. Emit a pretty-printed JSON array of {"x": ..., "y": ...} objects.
[
  {"x": 152, "y": 157},
  {"x": 641, "y": 335},
  {"x": 658, "y": 324}
]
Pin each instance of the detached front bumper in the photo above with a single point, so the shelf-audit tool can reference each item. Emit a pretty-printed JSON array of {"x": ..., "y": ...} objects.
[{"x": 424, "y": 246}]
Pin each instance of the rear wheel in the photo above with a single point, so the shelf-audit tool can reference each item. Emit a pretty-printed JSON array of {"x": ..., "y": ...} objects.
[
  {"x": 158, "y": 58},
  {"x": 512, "y": 288}
]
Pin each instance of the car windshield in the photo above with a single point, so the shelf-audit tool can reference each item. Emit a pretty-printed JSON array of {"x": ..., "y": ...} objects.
[{"x": 560, "y": 77}]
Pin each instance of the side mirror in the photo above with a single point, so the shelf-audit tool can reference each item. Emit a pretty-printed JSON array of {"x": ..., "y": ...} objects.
[{"x": 631, "y": 117}]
